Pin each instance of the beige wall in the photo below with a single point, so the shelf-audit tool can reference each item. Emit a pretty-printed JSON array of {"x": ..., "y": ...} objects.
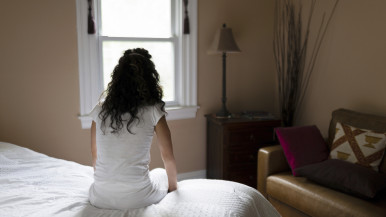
[
  {"x": 351, "y": 69},
  {"x": 39, "y": 84}
]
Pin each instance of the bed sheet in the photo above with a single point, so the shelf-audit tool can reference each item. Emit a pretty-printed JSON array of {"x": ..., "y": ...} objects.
[{"x": 34, "y": 184}]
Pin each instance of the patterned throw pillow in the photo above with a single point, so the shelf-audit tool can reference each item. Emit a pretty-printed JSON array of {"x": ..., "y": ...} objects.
[{"x": 359, "y": 146}]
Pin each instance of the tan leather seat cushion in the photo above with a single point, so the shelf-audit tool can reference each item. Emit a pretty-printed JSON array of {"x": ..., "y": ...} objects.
[{"x": 316, "y": 200}]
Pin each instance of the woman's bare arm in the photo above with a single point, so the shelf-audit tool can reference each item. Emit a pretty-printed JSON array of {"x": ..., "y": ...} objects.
[
  {"x": 166, "y": 148},
  {"x": 93, "y": 144}
]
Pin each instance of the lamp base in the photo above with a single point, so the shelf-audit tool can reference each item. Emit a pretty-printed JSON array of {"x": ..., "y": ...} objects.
[{"x": 223, "y": 114}]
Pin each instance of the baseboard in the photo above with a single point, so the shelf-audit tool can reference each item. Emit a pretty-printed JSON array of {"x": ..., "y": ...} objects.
[{"x": 199, "y": 174}]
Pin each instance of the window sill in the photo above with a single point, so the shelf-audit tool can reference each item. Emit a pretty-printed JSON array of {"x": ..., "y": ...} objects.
[{"x": 174, "y": 113}]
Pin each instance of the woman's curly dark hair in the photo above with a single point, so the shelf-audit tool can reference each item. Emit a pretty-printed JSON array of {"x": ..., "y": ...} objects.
[{"x": 134, "y": 84}]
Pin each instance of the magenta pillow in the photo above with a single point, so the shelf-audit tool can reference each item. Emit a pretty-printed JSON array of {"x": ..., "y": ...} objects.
[{"x": 302, "y": 145}]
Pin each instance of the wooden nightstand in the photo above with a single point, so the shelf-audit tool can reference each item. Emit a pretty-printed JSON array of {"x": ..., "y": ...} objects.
[{"x": 232, "y": 146}]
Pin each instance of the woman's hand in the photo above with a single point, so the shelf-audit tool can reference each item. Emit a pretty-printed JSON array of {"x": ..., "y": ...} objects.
[{"x": 172, "y": 188}]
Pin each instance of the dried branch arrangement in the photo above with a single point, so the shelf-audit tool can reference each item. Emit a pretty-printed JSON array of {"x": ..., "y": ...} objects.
[{"x": 291, "y": 44}]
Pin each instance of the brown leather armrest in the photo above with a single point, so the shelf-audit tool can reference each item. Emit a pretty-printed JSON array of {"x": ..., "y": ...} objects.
[{"x": 270, "y": 160}]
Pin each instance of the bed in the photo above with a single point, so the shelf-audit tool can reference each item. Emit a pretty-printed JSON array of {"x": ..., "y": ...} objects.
[{"x": 34, "y": 184}]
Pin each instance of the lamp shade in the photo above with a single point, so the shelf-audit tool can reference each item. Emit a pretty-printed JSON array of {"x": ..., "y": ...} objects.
[{"x": 224, "y": 42}]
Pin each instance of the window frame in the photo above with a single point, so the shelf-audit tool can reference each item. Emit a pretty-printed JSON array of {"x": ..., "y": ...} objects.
[{"x": 90, "y": 64}]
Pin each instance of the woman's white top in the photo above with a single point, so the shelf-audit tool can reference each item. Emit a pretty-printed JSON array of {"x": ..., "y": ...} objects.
[{"x": 121, "y": 177}]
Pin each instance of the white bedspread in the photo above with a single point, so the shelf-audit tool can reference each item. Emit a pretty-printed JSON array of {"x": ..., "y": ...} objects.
[{"x": 33, "y": 184}]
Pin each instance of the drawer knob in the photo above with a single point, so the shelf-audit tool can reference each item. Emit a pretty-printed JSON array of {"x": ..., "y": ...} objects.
[
  {"x": 251, "y": 157},
  {"x": 252, "y": 137}
]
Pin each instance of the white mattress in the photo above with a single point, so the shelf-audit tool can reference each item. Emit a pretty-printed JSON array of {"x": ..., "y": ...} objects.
[{"x": 33, "y": 184}]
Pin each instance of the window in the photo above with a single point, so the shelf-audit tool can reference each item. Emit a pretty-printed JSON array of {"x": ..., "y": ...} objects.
[{"x": 155, "y": 25}]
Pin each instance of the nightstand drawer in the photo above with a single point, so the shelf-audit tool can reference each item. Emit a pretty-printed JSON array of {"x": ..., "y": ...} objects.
[
  {"x": 251, "y": 136},
  {"x": 243, "y": 176},
  {"x": 242, "y": 157}
]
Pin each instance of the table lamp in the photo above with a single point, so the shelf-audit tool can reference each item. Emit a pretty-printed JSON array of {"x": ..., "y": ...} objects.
[{"x": 224, "y": 43}]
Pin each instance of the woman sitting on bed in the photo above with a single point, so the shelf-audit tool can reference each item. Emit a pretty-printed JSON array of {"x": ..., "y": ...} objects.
[{"x": 122, "y": 132}]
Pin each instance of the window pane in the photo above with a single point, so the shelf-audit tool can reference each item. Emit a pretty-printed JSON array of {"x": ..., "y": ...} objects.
[
  {"x": 136, "y": 18},
  {"x": 162, "y": 55}
]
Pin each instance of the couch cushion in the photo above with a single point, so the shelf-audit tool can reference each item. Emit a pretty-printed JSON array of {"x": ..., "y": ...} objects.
[
  {"x": 359, "y": 146},
  {"x": 302, "y": 145},
  {"x": 346, "y": 177},
  {"x": 316, "y": 200},
  {"x": 359, "y": 120}
]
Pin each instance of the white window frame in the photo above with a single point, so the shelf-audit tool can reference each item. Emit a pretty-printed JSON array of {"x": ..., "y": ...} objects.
[{"x": 90, "y": 66}]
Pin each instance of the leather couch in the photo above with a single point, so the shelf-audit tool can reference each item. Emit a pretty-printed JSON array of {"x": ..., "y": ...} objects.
[{"x": 297, "y": 196}]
